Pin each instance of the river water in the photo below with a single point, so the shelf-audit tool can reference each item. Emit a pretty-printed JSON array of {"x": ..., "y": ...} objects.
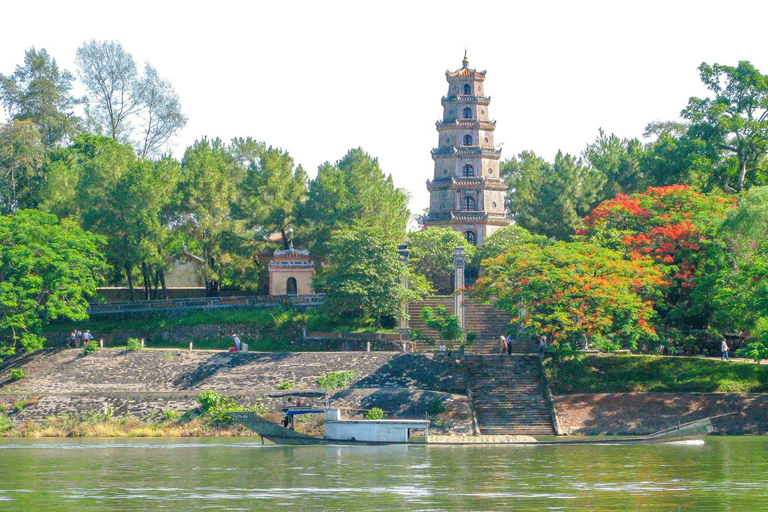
[{"x": 719, "y": 473}]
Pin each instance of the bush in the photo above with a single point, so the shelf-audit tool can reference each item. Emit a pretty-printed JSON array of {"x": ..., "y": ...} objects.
[
  {"x": 19, "y": 405},
  {"x": 133, "y": 344},
  {"x": 337, "y": 379},
  {"x": 285, "y": 385},
  {"x": 374, "y": 413},
  {"x": 18, "y": 373},
  {"x": 171, "y": 415},
  {"x": 209, "y": 399},
  {"x": 91, "y": 347},
  {"x": 435, "y": 406},
  {"x": 5, "y": 423}
]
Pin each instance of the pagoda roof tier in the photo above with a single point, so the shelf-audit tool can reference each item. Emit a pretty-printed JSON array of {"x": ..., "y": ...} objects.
[
  {"x": 488, "y": 126},
  {"x": 468, "y": 182},
  {"x": 466, "y": 150},
  {"x": 466, "y": 98},
  {"x": 474, "y": 217},
  {"x": 466, "y": 72}
]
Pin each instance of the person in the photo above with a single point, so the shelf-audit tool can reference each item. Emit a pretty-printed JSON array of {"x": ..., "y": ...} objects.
[
  {"x": 542, "y": 345},
  {"x": 71, "y": 339},
  {"x": 237, "y": 342},
  {"x": 442, "y": 346},
  {"x": 724, "y": 350},
  {"x": 509, "y": 344},
  {"x": 502, "y": 345},
  {"x": 87, "y": 336},
  {"x": 78, "y": 339}
]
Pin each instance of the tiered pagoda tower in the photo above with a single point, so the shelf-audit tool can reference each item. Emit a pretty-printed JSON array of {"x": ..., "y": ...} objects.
[{"x": 466, "y": 193}]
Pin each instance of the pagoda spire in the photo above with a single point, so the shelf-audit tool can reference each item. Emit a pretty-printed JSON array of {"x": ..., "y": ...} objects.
[{"x": 465, "y": 62}]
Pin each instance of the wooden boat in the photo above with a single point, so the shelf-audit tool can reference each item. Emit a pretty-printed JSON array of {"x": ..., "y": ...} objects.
[{"x": 398, "y": 430}]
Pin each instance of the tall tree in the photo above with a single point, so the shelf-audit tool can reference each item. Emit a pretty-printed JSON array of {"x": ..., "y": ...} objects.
[
  {"x": 551, "y": 200},
  {"x": 271, "y": 193},
  {"x": 48, "y": 269},
  {"x": 618, "y": 160},
  {"x": 735, "y": 120},
  {"x": 505, "y": 239},
  {"x": 21, "y": 165},
  {"x": 209, "y": 182},
  {"x": 143, "y": 110},
  {"x": 354, "y": 189},
  {"x": 40, "y": 92}
]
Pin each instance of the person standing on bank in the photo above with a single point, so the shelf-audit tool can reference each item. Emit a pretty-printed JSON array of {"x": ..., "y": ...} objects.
[
  {"x": 237, "y": 342},
  {"x": 724, "y": 350}
]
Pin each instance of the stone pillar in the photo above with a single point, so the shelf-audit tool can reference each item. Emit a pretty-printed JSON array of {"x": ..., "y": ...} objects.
[
  {"x": 403, "y": 320},
  {"x": 459, "y": 258}
]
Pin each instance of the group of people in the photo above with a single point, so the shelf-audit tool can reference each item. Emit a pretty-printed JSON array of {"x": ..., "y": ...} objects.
[
  {"x": 505, "y": 344},
  {"x": 77, "y": 338}
]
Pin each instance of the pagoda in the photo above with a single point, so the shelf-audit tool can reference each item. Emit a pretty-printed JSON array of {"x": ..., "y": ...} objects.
[{"x": 466, "y": 192}]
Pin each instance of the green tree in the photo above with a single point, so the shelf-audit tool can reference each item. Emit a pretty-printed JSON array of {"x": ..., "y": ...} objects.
[
  {"x": 447, "y": 326},
  {"x": 208, "y": 185},
  {"x": 505, "y": 239},
  {"x": 353, "y": 190},
  {"x": 431, "y": 253},
  {"x": 550, "y": 200},
  {"x": 21, "y": 165},
  {"x": 618, "y": 160},
  {"x": 271, "y": 193},
  {"x": 363, "y": 277},
  {"x": 735, "y": 120},
  {"x": 41, "y": 93},
  {"x": 574, "y": 290},
  {"x": 48, "y": 269}
]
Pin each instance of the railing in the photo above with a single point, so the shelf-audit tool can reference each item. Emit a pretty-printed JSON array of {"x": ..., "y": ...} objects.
[{"x": 314, "y": 299}]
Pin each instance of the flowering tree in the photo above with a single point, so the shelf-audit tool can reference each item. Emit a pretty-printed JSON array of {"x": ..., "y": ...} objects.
[
  {"x": 674, "y": 225},
  {"x": 570, "y": 291}
]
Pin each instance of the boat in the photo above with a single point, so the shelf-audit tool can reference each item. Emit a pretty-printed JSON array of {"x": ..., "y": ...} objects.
[
  {"x": 398, "y": 431},
  {"x": 337, "y": 430}
]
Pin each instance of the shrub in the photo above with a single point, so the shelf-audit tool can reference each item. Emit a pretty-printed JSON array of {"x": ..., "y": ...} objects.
[
  {"x": 171, "y": 415},
  {"x": 5, "y": 423},
  {"x": 285, "y": 385},
  {"x": 91, "y": 347},
  {"x": 337, "y": 379},
  {"x": 3, "y": 408},
  {"x": 435, "y": 406},
  {"x": 209, "y": 399},
  {"x": 374, "y": 413},
  {"x": 133, "y": 344},
  {"x": 18, "y": 373},
  {"x": 20, "y": 404}
]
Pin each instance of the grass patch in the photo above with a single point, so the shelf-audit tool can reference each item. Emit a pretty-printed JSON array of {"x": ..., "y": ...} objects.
[
  {"x": 337, "y": 379},
  {"x": 636, "y": 373}
]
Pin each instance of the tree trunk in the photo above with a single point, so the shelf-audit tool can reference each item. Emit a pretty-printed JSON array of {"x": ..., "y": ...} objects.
[
  {"x": 742, "y": 176},
  {"x": 129, "y": 278}
]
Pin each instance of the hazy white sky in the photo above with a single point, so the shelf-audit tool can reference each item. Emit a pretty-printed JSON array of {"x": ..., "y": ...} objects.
[{"x": 320, "y": 77}]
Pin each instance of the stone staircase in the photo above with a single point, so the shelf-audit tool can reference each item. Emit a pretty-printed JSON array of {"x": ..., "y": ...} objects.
[
  {"x": 507, "y": 395},
  {"x": 484, "y": 319}
]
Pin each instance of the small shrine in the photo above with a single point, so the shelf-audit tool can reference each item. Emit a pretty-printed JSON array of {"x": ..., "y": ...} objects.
[
  {"x": 291, "y": 272},
  {"x": 185, "y": 270}
]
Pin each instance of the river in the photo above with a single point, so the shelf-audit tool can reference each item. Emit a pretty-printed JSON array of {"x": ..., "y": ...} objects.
[{"x": 719, "y": 473}]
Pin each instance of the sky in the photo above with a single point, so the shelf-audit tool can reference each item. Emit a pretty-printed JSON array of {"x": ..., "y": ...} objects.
[{"x": 317, "y": 78}]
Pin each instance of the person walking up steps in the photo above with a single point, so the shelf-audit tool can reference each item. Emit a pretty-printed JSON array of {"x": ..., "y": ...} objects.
[{"x": 502, "y": 345}]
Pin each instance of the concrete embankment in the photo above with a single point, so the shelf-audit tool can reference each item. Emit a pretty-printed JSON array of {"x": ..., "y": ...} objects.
[
  {"x": 645, "y": 413},
  {"x": 145, "y": 384}
]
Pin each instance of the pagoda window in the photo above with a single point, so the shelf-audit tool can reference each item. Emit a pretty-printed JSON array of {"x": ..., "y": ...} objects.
[
  {"x": 467, "y": 89},
  {"x": 468, "y": 203},
  {"x": 467, "y": 140},
  {"x": 467, "y": 113},
  {"x": 290, "y": 286},
  {"x": 469, "y": 171},
  {"x": 470, "y": 237}
]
